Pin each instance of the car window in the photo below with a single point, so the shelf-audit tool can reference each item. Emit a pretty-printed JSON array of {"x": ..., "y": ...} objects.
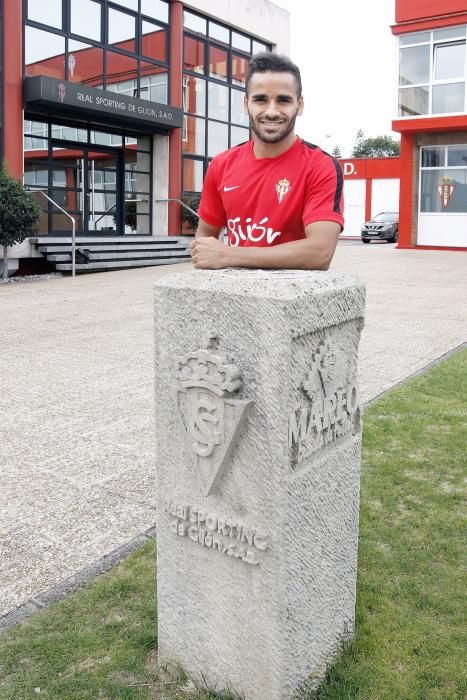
[{"x": 386, "y": 216}]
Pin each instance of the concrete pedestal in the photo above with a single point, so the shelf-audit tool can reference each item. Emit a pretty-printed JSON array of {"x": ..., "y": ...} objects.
[{"x": 258, "y": 459}]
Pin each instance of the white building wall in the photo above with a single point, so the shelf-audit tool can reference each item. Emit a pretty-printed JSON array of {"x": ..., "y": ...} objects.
[
  {"x": 385, "y": 195},
  {"x": 448, "y": 230},
  {"x": 261, "y": 18}
]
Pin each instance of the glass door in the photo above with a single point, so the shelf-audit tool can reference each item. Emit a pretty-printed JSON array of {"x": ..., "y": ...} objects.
[
  {"x": 103, "y": 170},
  {"x": 88, "y": 183},
  {"x": 67, "y": 188}
]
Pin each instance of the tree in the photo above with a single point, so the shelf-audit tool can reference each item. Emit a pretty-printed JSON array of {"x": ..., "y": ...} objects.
[
  {"x": 19, "y": 214},
  {"x": 375, "y": 147},
  {"x": 336, "y": 152}
]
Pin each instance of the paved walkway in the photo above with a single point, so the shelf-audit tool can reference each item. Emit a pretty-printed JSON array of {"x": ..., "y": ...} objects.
[{"x": 76, "y": 430}]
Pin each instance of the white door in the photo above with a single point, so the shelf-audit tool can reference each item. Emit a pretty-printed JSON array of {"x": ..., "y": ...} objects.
[{"x": 354, "y": 207}]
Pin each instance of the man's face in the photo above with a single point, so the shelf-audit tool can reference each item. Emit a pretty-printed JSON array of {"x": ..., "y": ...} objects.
[{"x": 272, "y": 105}]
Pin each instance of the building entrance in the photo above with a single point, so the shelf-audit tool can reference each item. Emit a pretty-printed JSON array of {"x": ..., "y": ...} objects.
[{"x": 102, "y": 179}]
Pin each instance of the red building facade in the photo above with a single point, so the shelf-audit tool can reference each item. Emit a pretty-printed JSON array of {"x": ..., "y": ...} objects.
[
  {"x": 432, "y": 121},
  {"x": 115, "y": 107}
]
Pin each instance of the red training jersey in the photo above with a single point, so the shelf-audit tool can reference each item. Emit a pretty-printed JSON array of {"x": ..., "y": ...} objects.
[{"x": 266, "y": 201}]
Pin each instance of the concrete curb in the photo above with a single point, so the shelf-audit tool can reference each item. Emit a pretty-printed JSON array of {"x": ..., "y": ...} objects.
[
  {"x": 418, "y": 373},
  {"x": 75, "y": 582},
  {"x": 88, "y": 574}
]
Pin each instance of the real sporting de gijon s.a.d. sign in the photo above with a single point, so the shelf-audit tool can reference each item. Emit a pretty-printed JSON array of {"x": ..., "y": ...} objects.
[{"x": 212, "y": 418}]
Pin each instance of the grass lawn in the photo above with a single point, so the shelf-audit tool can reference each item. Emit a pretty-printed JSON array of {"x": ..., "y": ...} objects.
[{"x": 101, "y": 642}]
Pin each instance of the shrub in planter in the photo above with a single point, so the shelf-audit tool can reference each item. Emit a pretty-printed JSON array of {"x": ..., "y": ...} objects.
[{"x": 19, "y": 214}]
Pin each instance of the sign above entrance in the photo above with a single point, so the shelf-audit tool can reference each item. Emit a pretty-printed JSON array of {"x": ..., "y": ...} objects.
[{"x": 91, "y": 104}]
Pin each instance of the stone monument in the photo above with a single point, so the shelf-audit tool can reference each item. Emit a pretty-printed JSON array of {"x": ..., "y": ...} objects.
[{"x": 258, "y": 437}]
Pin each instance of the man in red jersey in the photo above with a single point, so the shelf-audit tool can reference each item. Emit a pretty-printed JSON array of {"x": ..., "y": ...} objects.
[{"x": 280, "y": 197}]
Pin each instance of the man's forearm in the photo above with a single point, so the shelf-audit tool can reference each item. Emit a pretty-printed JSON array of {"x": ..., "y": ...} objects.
[
  {"x": 311, "y": 253},
  {"x": 302, "y": 255},
  {"x": 205, "y": 230}
]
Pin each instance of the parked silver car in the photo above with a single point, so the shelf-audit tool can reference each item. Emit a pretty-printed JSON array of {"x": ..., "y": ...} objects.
[{"x": 383, "y": 226}]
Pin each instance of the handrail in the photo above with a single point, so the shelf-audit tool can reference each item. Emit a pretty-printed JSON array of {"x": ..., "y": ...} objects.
[
  {"x": 114, "y": 205},
  {"x": 73, "y": 228},
  {"x": 104, "y": 214},
  {"x": 174, "y": 199}
]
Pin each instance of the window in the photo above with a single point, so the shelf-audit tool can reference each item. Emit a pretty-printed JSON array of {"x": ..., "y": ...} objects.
[
  {"x": 218, "y": 32},
  {"x": 448, "y": 98},
  {"x": 153, "y": 41},
  {"x": 193, "y": 55},
  {"x": 218, "y": 138},
  {"x": 85, "y": 19},
  {"x": 130, "y": 4},
  {"x": 194, "y": 95},
  {"x": 237, "y": 111},
  {"x": 194, "y": 136},
  {"x": 194, "y": 22},
  {"x": 443, "y": 182},
  {"x": 449, "y": 61},
  {"x": 48, "y": 13},
  {"x": 414, "y": 65},
  {"x": 156, "y": 9},
  {"x": 122, "y": 30},
  {"x": 104, "y": 46},
  {"x": 192, "y": 175},
  {"x": 153, "y": 84},
  {"x": 85, "y": 63},
  {"x": 432, "y": 72},
  {"x": 215, "y": 62},
  {"x": 44, "y": 53},
  {"x": 218, "y": 101}
]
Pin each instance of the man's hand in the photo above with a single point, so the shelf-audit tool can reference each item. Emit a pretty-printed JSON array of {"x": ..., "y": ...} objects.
[{"x": 209, "y": 253}]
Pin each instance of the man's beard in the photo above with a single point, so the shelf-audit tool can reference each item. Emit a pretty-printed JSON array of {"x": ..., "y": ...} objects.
[{"x": 273, "y": 138}]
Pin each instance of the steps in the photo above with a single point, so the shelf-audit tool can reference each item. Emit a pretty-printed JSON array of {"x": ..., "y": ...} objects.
[{"x": 94, "y": 253}]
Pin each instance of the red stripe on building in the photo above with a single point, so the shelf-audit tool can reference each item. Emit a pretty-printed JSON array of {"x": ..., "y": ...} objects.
[
  {"x": 175, "y": 99},
  {"x": 12, "y": 96}
]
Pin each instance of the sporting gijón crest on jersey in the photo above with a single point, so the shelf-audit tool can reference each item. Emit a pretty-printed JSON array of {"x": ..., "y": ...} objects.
[{"x": 266, "y": 201}]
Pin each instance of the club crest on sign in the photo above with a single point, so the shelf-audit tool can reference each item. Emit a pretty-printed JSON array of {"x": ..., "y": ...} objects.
[
  {"x": 211, "y": 416},
  {"x": 282, "y": 189},
  {"x": 61, "y": 89}
]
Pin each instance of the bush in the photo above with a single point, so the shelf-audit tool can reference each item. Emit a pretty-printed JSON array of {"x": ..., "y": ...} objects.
[
  {"x": 189, "y": 220},
  {"x": 19, "y": 214}
]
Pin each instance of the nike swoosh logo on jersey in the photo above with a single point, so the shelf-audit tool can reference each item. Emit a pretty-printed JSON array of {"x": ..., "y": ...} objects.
[{"x": 227, "y": 189}]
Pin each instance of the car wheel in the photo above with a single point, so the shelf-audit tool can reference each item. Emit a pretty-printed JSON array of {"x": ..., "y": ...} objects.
[
  {"x": 394, "y": 238},
  {"x": 365, "y": 240}
]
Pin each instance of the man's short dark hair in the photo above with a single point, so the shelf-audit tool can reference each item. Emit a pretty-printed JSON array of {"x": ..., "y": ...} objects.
[{"x": 266, "y": 61}]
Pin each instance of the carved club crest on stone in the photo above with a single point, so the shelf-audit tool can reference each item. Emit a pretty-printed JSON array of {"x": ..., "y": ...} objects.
[
  {"x": 326, "y": 373},
  {"x": 211, "y": 417}
]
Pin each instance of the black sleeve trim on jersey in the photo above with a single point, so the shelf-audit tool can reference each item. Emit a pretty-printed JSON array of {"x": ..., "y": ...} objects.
[
  {"x": 310, "y": 145},
  {"x": 339, "y": 185}
]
